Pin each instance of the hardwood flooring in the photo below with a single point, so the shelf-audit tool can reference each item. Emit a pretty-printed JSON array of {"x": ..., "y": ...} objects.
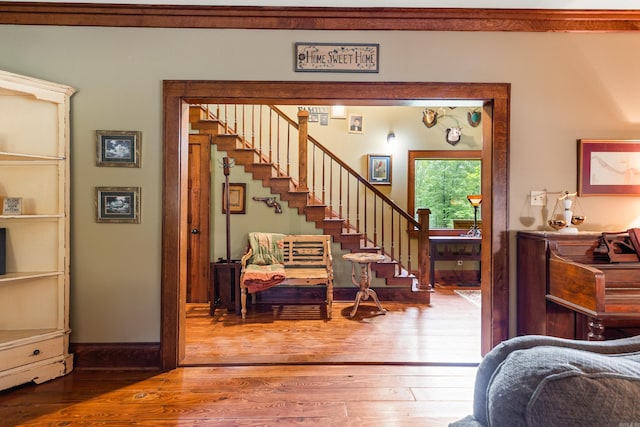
[
  {"x": 308, "y": 395},
  {"x": 378, "y": 371},
  {"x": 445, "y": 332}
]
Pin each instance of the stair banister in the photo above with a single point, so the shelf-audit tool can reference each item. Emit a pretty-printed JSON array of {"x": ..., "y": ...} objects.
[
  {"x": 303, "y": 134},
  {"x": 423, "y": 249}
]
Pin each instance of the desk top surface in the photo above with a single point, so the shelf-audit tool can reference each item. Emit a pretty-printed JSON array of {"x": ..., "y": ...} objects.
[{"x": 455, "y": 239}]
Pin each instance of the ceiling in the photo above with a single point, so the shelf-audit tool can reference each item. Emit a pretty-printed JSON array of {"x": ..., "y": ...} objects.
[{"x": 482, "y": 4}]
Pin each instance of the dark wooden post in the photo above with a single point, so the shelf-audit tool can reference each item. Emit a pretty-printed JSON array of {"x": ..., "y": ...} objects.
[
  {"x": 423, "y": 250},
  {"x": 303, "y": 133}
]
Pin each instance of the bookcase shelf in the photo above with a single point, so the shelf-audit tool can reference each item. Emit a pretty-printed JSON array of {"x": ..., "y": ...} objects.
[{"x": 34, "y": 291}]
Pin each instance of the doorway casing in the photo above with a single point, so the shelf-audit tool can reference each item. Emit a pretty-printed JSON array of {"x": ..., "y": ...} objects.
[{"x": 178, "y": 95}]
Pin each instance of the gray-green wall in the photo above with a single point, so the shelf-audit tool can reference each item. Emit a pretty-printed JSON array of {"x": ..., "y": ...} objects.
[{"x": 564, "y": 87}]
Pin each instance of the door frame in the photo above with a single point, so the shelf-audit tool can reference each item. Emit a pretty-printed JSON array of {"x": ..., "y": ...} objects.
[{"x": 179, "y": 94}]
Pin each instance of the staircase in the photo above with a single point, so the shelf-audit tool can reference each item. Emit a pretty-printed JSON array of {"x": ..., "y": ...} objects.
[{"x": 263, "y": 140}]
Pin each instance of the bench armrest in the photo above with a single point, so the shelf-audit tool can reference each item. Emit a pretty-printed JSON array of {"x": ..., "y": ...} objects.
[{"x": 245, "y": 258}]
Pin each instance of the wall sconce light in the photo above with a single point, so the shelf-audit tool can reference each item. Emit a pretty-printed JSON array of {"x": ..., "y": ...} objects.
[{"x": 391, "y": 138}]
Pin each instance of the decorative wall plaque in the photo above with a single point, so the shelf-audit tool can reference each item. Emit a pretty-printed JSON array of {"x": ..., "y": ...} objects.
[{"x": 326, "y": 57}]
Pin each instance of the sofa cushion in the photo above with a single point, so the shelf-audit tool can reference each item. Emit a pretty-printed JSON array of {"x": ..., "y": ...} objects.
[{"x": 550, "y": 386}]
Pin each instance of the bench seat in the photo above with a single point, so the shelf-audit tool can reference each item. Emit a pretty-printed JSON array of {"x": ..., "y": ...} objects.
[{"x": 306, "y": 258}]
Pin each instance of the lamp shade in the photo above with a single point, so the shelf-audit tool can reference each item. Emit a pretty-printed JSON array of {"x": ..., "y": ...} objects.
[{"x": 475, "y": 199}]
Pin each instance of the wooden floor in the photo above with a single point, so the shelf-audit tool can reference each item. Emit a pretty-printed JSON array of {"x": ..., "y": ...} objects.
[
  {"x": 445, "y": 332},
  {"x": 308, "y": 395},
  {"x": 363, "y": 383}
]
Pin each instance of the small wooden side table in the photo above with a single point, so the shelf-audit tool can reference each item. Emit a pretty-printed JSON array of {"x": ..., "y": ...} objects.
[{"x": 363, "y": 281}]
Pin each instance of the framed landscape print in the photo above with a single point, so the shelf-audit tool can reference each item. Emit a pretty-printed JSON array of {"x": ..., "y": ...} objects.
[
  {"x": 118, "y": 148},
  {"x": 118, "y": 204},
  {"x": 608, "y": 167},
  {"x": 379, "y": 169}
]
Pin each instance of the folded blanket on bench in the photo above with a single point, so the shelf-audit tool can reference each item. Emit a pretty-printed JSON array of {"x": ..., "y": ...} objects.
[{"x": 260, "y": 277}]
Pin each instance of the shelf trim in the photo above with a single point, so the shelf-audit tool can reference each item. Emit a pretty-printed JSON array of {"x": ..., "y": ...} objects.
[
  {"x": 6, "y": 155},
  {"x": 13, "y": 277}
]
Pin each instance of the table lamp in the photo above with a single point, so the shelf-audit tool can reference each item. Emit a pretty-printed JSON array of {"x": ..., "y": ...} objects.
[{"x": 475, "y": 200}]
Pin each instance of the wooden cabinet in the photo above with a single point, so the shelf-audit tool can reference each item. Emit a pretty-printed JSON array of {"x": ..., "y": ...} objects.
[
  {"x": 34, "y": 291},
  {"x": 534, "y": 314}
]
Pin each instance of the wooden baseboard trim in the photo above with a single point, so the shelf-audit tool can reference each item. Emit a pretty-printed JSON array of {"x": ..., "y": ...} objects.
[{"x": 141, "y": 356}]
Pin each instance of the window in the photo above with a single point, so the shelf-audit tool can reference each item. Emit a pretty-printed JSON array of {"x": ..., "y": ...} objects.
[{"x": 441, "y": 182}]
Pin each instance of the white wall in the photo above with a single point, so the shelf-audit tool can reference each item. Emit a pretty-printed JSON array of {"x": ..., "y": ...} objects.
[{"x": 564, "y": 87}]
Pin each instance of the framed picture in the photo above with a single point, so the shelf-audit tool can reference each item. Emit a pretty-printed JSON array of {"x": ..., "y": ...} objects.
[
  {"x": 118, "y": 204},
  {"x": 237, "y": 198},
  {"x": 118, "y": 148},
  {"x": 12, "y": 206},
  {"x": 379, "y": 169},
  {"x": 608, "y": 167},
  {"x": 338, "y": 112},
  {"x": 355, "y": 123}
]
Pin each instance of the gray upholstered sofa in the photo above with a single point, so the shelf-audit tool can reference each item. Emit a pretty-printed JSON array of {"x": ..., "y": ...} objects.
[{"x": 545, "y": 381}]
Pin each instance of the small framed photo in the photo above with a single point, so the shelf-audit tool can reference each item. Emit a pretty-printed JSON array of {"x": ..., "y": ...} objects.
[
  {"x": 118, "y": 204},
  {"x": 237, "y": 198},
  {"x": 118, "y": 148},
  {"x": 12, "y": 206},
  {"x": 338, "y": 112},
  {"x": 355, "y": 123},
  {"x": 379, "y": 169},
  {"x": 608, "y": 167}
]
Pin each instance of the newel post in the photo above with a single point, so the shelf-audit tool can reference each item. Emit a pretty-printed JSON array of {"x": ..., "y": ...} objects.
[
  {"x": 423, "y": 250},
  {"x": 303, "y": 133}
]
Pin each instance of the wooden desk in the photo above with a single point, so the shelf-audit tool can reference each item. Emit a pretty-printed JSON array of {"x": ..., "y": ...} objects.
[{"x": 452, "y": 248}]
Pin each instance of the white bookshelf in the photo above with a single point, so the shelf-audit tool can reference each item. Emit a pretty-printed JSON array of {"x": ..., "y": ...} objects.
[{"x": 34, "y": 292}]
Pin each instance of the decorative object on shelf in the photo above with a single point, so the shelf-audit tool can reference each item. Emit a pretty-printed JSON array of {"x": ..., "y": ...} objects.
[
  {"x": 12, "y": 206},
  {"x": 430, "y": 117},
  {"x": 474, "y": 117},
  {"x": 355, "y": 123},
  {"x": 608, "y": 167},
  {"x": 237, "y": 198},
  {"x": 454, "y": 135},
  {"x": 118, "y": 204},
  {"x": 568, "y": 219},
  {"x": 271, "y": 202},
  {"x": 475, "y": 200},
  {"x": 118, "y": 148},
  {"x": 379, "y": 169}
]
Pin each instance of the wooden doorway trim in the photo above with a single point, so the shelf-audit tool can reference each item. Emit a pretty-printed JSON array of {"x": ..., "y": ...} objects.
[{"x": 177, "y": 95}]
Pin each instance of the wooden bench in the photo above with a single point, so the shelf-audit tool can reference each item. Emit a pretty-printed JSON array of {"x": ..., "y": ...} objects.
[{"x": 307, "y": 261}]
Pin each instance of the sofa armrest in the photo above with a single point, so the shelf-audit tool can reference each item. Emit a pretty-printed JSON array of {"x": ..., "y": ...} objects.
[{"x": 497, "y": 355}]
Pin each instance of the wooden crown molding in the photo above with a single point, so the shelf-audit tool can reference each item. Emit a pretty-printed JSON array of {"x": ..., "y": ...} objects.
[{"x": 319, "y": 18}]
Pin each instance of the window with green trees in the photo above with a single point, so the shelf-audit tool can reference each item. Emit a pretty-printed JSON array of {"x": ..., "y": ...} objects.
[{"x": 442, "y": 180}]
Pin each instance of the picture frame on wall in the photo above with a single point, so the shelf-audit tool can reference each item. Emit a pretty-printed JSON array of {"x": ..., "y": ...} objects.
[
  {"x": 608, "y": 167},
  {"x": 118, "y": 148},
  {"x": 237, "y": 198},
  {"x": 356, "y": 123},
  {"x": 379, "y": 169},
  {"x": 338, "y": 112},
  {"x": 118, "y": 205}
]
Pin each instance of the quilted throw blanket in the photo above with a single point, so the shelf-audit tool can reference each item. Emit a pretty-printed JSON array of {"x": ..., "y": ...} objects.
[
  {"x": 257, "y": 278},
  {"x": 264, "y": 269},
  {"x": 266, "y": 248}
]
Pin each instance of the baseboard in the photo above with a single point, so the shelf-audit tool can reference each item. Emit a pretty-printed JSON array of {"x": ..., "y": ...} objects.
[{"x": 116, "y": 355}]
